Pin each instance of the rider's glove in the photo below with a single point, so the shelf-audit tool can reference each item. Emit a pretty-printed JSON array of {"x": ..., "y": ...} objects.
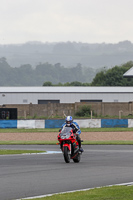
[
  {"x": 77, "y": 133},
  {"x": 74, "y": 130}
]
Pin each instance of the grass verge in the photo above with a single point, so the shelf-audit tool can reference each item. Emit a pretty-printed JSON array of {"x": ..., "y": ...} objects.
[
  {"x": 27, "y": 142},
  {"x": 6, "y": 152},
  {"x": 106, "y": 129},
  {"x": 54, "y": 142},
  {"x": 104, "y": 193},
  {"x": 113, "y": 142},
  {"x": 15, "y": 130}
]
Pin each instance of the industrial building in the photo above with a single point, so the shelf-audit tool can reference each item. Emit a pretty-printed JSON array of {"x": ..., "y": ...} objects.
[
  {"x": 129, "y": 73},
  {"x": 43, "y": 95}
]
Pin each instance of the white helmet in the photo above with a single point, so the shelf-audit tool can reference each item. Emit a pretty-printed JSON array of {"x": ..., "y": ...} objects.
[{"x": 69, "y": 120}]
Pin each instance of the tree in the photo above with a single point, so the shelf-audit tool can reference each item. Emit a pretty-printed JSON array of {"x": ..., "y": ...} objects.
[
  {"x": 47, "y": 83},
  {"x": 76, "y": 83},
  {"x": 113, "y": 77}
]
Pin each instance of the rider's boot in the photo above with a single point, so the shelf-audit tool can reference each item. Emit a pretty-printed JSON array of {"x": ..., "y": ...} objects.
[{"x": 81, "y": 149}]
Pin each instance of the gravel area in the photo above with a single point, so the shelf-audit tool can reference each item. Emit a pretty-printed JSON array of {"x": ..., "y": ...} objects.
[{"x": 52, "y": 136}]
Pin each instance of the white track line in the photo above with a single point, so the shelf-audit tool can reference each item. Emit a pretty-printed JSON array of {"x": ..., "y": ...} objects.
[
  {"x": 47, "y": 195},
  {"x": 23, "y": 154},
  {"x": 47, "y": 152}
]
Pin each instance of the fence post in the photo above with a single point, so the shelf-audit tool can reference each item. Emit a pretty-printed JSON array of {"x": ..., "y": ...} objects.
[
  {"x": 91, "y": 114},
  {"x": 120, "y": 111}
]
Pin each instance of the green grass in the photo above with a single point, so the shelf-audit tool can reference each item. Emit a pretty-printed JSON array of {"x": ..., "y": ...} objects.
[
  {"x": 104, "y": 193},
  {"x": 113, "y": 142},
  {"x": 106, "y": 129},
  {"x": 54, "y": 142},
  {"x": 15, "y": 130},
  {"x": 27, "y": 142},
  {"x": 6, "y": 152}
]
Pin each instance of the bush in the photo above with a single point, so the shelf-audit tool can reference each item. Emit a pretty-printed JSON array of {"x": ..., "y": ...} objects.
[{"x": 84, "y": 111}]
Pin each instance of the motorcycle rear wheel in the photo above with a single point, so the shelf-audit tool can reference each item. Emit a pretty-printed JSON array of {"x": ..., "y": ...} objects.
[
  {"x": 77, "y": 158},
  {"x": 66, "y": 155}
]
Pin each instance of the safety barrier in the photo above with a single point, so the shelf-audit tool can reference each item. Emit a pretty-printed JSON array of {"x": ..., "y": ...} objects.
[
  {"x": 31, "y": 124},
  {"x": 56, "y": 123},
  {"x": 8, "y": 123},
  {"x": 110, "y": 123}
]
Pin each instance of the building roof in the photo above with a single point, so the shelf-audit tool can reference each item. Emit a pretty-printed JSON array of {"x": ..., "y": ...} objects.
[
  {"x": 129, "y": 73},
  {"x": 61, "y": 89}
]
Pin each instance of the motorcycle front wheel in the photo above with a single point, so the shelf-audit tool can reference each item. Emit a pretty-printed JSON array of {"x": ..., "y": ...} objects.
[
  {"x": 66, "y": 155},
  {"x": 77, "y": 158}
]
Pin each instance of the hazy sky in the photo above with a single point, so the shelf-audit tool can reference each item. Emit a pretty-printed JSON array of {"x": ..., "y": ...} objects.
[{"x": 91, "y": 21}]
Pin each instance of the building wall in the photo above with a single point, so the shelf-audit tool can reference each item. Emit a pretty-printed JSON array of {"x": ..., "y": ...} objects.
[{"x": 66, "y": 97}]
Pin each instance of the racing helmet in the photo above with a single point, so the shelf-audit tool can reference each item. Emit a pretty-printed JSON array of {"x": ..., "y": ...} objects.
[{"x": 69, "y": 120}]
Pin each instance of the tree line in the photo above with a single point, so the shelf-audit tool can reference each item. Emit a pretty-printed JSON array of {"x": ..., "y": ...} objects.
[
  {"x": 26, "y": 75},
  {"x": 56, "y": 75},
  {"x": 110, "y": 77}
]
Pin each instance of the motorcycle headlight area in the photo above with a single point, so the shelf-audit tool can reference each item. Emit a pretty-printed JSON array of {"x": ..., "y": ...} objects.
[{"x": 65, "y": 136}]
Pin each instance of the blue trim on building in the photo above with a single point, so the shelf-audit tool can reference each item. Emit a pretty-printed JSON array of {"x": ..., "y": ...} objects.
[
  {"x": 112, "y": 123},
  {"x": 54, "y": 123},
  {"x": 8, "y": 123}
]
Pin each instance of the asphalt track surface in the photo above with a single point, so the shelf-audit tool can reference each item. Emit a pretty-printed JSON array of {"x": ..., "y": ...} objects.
[{"x": 39, "y": 174}]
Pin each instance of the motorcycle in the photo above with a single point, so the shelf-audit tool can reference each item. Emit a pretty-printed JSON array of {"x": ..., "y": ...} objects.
[{"x": 69, "y": 145}]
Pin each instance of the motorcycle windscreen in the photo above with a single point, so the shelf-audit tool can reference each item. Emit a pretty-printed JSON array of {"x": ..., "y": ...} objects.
[{"x": 66, "y": 132}]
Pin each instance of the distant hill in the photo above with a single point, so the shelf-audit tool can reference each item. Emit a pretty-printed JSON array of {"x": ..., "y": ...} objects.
[{"x": 68, "y": 54}]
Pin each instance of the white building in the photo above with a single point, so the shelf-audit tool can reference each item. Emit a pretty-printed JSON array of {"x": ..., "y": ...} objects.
[
  {"x": 129, "y": 73},
  {"x": 42, "y": 95}
]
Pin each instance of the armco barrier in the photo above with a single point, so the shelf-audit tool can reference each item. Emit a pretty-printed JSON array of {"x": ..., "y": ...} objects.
[
  {"x": 110, "y": 123},
  {"x": 57, "y": 123},
  {"x": 8, "y": 123}
]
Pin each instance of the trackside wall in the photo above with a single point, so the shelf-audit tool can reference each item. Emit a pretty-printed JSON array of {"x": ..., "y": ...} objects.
[
  {"x": 56, "y": 123},
  {"x": 59, "y": 109}
]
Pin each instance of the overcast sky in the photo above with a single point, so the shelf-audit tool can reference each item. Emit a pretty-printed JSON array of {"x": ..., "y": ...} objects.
[{"x": 91, "y": 21}]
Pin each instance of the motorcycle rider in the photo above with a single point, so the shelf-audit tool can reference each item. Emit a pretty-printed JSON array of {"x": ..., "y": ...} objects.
[{"x": 76, "y": 129}]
